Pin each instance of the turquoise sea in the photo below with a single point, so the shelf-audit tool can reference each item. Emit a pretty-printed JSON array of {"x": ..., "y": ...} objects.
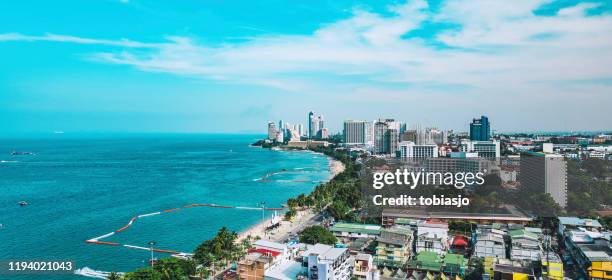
[{"x": 80, "y": 187}]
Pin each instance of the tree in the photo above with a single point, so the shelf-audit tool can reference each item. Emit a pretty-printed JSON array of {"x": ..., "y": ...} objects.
[
  {"x": 113, "y": 276},
  {"x": 317, "y": 234}
]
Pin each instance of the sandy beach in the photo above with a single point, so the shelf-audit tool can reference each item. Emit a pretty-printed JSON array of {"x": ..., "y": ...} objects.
[{"x": 302, "y": 219}]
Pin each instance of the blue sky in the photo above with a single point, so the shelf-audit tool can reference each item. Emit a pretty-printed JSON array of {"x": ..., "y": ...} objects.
[{"x": 219, "y": 66}]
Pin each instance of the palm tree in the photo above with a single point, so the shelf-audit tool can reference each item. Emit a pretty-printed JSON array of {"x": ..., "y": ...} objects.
[{"x": 113, "y": 276}]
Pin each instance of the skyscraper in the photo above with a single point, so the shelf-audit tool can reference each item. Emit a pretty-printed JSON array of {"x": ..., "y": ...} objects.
[
  {"x": 386, "y": 136},
  {"x": 271, "y": 131},
  {"x": 544, "y": 172},
  {"x": 357, "y": 132},
  {"x": 313, "y": 125},
  {"x": 321, "y": 122},
  {"x": 480, "y": 129}
]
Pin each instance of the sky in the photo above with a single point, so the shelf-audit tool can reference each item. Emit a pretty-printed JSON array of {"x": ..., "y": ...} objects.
[{"x": 232, "y": 66}]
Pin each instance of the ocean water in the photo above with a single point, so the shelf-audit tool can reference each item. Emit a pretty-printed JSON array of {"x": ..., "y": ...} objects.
[{"x": 80, "y": 187}]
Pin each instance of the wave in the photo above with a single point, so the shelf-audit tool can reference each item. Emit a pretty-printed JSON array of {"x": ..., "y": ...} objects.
[
  {"x": 7, "y": 161},
  {"x": 88, "y": 272}
]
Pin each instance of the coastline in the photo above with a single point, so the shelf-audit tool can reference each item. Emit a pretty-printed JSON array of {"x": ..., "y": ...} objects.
[{"x": 302, "y": 219}]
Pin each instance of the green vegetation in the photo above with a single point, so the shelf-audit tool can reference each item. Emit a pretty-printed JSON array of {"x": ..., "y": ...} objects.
[
  {"x": 265, "y": 144},
  {"x": 317, "y": 234},
  {"x": 164, "y": 269},
  {"x": 587, "y": 187},
  {"x": 212, "y": 254}
]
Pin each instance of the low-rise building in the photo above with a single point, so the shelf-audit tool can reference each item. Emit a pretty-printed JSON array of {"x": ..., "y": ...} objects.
[
  {"x": 432, "y": 263},
  {"x": 253, "y": 266},
  {"x": 394, "y": 247},
  {"x": 364, "y": 268},
  {"x": 432, "y": 237},
  {"x": 324, "y": 262},
  {"x": 353, "y": 230},
  {"x": 389, "y": 216},
  {"x": 588, "y": 246},
  {"x": 525, "y": 245},
  {"x": 552, "y": 266},
  {"x": 490, "y": 243}
]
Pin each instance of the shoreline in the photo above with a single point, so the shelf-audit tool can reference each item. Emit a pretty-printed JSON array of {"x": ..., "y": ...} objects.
[{"x": 302, "y": 219}]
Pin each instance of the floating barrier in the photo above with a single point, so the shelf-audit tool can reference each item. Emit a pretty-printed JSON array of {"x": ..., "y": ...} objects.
[{"x": 96, "y": 240}]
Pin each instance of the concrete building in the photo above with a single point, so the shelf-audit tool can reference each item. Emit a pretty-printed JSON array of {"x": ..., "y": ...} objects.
[
  {"x": 253, "y": 266},
  {"x": 490, "y": 243},
  {"x": 386, "y": 137},
  {"x": 313, "y": 125},
  {"x": 394, "y": 247},
  {"x": 411, "y": 150},
  {"x": 542, "y": 172},
  {"x": 432, "y": 237},
  {"x": 391, "y": 216},
  {"x": 324, "y": 262},
  {"x": 358, "y": 133},
  {"x": 353, "y": 230},
  {"x": 280, "y": 136},
  {"x": 323, "y": 134},
  {"x": 271, "y": 131},
  {"x": 484, "y": 149},
  {"x": 455, "y": 164},
  {"x": 525, "y": 245},
  {"x": 364, "y": 268}
]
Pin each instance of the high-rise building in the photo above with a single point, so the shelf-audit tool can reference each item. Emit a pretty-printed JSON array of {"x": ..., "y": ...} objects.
[
  {"x": 314, "y": 123},
  {"x": 357, "y": 132},
  {"x": 480, "y": 129},
  {"x": 436, "y": 136},
  {"x": 409, "y": 135},
  {"x": 386, "y": 136},
  {"x": 271, "y": 131},
  {"x": 300, "y": 129},
  {"x": 321, "y": 122},
  {"x": 280, "y": 136},
  {"x": 323, "y": 134},
  {"x": 312, "y": 127},
  {"x": 544, "y": 172}
]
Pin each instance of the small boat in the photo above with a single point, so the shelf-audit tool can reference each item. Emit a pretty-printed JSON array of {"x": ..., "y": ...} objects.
[
  {"x": 17, "y": 153},
  {"x": 23, "y": 203}
]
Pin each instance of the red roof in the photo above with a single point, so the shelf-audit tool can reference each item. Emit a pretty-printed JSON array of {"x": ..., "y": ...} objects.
[
  {"x": 460, "y": 241},
  {"x": 264, "y": 252}
]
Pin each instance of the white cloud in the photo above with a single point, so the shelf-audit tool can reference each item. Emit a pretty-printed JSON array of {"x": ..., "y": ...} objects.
[
  {"x": 78, "y": 40},
  {"x": 502, "y": 50}
]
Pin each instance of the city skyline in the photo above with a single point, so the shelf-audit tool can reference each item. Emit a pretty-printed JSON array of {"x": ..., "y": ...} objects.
[{"x": 140, "y": 66}]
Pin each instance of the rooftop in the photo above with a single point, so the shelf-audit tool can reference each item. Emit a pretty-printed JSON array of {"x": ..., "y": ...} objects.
[
  {"x": 285, "y": 271},
  {"x": 274, "y": 245},
  {"x": 574, "y": 221},
  {"x": 421, "y": 214},
  {"x": 353, "y": 227},
  {"x": 596, "y": 252}
]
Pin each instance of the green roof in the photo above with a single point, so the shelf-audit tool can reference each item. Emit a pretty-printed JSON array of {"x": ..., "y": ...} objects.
[
  {"x": 428, "y": 256},
  {"x": 454, "y": 259},
  {"x": 358, "y": 228},
  {"x": 522, "y": 232},
  {"x": 428, "y": 261}
]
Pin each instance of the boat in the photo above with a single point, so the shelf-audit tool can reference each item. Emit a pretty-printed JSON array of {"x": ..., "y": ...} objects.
[
  {"x": 17, "y": 153},
  {"x": 23, "y": 203}
]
